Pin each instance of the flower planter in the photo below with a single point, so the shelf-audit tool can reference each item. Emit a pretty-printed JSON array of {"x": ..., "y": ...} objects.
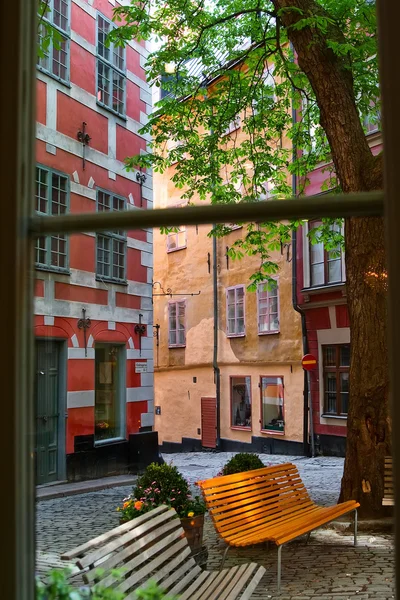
[{"x": 193, "y": 527}]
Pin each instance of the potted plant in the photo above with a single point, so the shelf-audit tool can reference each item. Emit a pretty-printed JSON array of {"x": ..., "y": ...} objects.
[{"x": 164, "y": 484}]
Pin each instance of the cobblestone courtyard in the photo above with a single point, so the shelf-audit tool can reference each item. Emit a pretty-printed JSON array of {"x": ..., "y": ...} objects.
[{"x": 329, "y": 567}]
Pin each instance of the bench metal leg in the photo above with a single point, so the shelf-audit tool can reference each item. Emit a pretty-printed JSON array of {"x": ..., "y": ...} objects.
[
  {"x": 279, "y": 567},
  {"x": 224, "y": 557},
  {"x": 355, "y": 527}
]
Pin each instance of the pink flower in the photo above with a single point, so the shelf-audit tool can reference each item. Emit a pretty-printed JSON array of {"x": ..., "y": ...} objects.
[{"x": 172, "y": 499}]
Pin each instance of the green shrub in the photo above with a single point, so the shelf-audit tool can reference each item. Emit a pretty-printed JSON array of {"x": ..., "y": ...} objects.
[
  {"x": 244, "y": 461},
  {"x": 161, "y": 484},
  {"x": 58, "y": 588}
]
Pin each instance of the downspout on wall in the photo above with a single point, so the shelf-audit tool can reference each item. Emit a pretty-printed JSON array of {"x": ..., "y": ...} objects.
[
  {"x": 217, "y": 371},
  {"x": 306, "y": 445}
]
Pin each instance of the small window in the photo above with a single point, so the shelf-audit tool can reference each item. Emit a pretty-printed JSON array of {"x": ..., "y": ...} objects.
[
  {"x": 268, "y": 307},
  {"x": 176, "y": 324},
  {"x": 111, "y": 69},
  {"x": 233, "y": 125},
  {"x": 336, "y": 366},
  {"x": 241, "y": 402},
  {"x": 325, "y": 265},
  {"x": 111, "y": 246},
  {"x": 55, "y": 58},
  {"x": 272, "y": 410},
  {"x": 176, "y": 240},
  {"x": 109, "y": 404},
  {"x": 235, "y": 311},
  {"x": 52, "y": 198}
]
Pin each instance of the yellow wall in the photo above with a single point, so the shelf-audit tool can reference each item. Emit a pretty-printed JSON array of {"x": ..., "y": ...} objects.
[{"x": 187, "y": 272}]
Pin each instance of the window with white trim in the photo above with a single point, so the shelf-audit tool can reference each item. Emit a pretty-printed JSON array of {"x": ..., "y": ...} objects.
[
  {"x": 235, "y": 322},
  {"x": 111, "y": 69},
  {"x": 268, "y": 307},
  {"x": 272, "y": 409},
  {"x": 325, "y": 265},
  {"x": 52, "y": 198},
  {"x": 241, "y": 402},
  {"x": 176, "y": 240},
  {"x": 336, "y": 369},
  {"x": 111, "y": 245},
  {"x": 176, "y": 324},
  {"x": 54, "y": 40}
]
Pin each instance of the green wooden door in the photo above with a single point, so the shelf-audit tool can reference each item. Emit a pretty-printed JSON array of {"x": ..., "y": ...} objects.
[{"x": 47, "y": 391}]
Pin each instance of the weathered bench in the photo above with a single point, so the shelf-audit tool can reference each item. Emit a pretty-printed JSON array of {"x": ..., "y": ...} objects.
[
  {"x": 154, "y": 547},
  {"x": 269, "y": 504},
  {"x": 388, "y": 494}
]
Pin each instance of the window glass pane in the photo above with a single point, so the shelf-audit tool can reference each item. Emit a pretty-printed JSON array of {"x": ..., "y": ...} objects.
[
  {"x": 241, "y": 401},
  {"x": 317, "y": 253},
  {"x": 272, "y": 404},
  {"x": 118, "y": 57},
  {"x": 60, "y": 60},
  {"x": 103, "y": 30},
  {"x": 329, "y": 355},
  {"x": 41, "y": 252},
  {"x": 317, "y": 274},
  {"x": 103, "y": 83},
  {"x": 330, "y": 393},
  {"x": 41, "y": 190},
  {"x": 344, "y": 356},
  {"x": 240, "y": 325},
  {"x": 60, "y": 13},
  {"x": 108, "y": 391},
  {"x": 181, "y": 239},
  {"x": 118, "y": 98},
  {"x": 334, "y": 270}
]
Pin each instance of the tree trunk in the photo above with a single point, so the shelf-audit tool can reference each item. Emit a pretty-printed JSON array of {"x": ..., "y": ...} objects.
[{"x": 368, "y": 433}]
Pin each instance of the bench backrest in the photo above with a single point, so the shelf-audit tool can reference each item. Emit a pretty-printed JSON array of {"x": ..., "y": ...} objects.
[
  {"x": 153, "y": 546},
  {"x": 271, "y": 493},
  {"x": 388, "y": 496}
]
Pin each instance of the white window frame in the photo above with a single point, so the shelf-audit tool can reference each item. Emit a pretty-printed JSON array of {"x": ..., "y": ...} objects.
[
  {"x": 174, "y": 238},
  {"x": 177, "y": 304},
  {"x": 236, "y": 288},
  {"x": 109, "y": 64},
  {"x": 268, "y": 311},
  {"x": 66, "y": 35},
  {"x": 111, "y": 236},
  {"x": 306, "y": 262}
]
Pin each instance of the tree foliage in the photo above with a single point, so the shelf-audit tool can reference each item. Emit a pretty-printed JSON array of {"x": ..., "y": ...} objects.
[{"x": 233, "y": 58}]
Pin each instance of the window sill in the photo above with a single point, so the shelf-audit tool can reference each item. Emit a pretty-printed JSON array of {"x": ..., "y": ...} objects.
[
  {"x": 331, "y": 416},
  {"x": 272, "y": 432},
  {"x": 176, "y": 346},
  {"x": 318, "y": 289},
  {"x": 109, "y": 441},
  {"x": 261, "y": 333},
  {"x": 112, "y": 111},
  {"x": 171, "y": 250},
  {"x": 235, "y": 335},
  {"x": 240, "y": 428},
  {"x": 52, "y": 270},
  {"x": 110, "y": 280},
  {"x": 49, "y": 74}
]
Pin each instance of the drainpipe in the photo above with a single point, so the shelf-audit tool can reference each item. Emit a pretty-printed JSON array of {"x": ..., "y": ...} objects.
[
  {"x": 217, "y": 372},
  {"x": 307, "y": 414}
]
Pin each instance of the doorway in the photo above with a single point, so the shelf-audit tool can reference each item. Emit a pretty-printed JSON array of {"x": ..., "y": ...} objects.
[
  {"x": 209, "y": 422},
  {"x": 50, "y": 410}
]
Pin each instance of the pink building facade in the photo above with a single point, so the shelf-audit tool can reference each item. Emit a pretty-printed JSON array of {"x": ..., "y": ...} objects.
[{"x": 93, "y": 304}]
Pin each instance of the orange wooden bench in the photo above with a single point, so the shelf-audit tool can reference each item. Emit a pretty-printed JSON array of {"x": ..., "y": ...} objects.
[{"x": 269, "y": 504}]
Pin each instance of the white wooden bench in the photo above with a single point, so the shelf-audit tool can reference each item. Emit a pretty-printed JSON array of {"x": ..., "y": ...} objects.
[{"x": 154, "y": 547}]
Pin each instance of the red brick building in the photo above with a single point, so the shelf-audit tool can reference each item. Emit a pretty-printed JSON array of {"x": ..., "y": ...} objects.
[
  {"x": 321, "y": 296},
  {"x": 93, "y": 305}
]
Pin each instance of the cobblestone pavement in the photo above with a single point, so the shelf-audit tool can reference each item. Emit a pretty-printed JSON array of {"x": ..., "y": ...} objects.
[{"x": 328, "y": 568}]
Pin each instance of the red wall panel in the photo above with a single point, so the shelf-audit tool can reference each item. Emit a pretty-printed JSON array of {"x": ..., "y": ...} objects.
[
  {"x": 135, "y": 271},
  {"x": 41, "y": 101},
  {"x": 134, "y": 411},
  {"x": 127, "y": 301},
  {"x": 133, "y": 63},
  {"x": 78, "y": 293},
  {"x": 81, "y": 204},
  {"x": 83, "y": 68},
  {"x": 83, "y": 23},
  {"x": 71, "y": 114},
  {"x": 132, "y": 378},
  {"x": 128, "y": 143},
  {"x": 82, "y": 250},
  {"x": 318, "y": 318},
  {"x": 342, "y": 316},
  {"x": 39, "y": 288},
  {"x": 133, "y": 102},
  {"x": 80, "y": 375},
  {"x": 138, "y": 234},
  {"x": 80, "y": 422}
]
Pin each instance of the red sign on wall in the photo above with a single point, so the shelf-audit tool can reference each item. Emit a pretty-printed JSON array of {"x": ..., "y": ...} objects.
[{"x": 309, "y": 362}]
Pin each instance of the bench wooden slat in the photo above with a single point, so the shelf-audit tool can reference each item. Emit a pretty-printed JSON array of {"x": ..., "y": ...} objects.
[
  {"x": 154, "y": 547},
  {"x": 251, "y": 586},
  {"x": 388, "y": 492}
]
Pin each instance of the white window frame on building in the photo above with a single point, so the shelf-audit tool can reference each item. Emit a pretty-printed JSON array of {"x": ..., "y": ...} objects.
[
  {"x": 307, "y": 261},
  {"x": 51, "y": 248},
  {"x": 112, "y": 60},
  {"x": 176, "y": 240},
  {"x": 336, "y": 370},
  {"x": 235, "y": 296},
  {"x": 111, "y": 244},
  {"x": 57, "y": 54},
  {"x": 266, "y": 292},
  {"x": 110, "y": 396},
  {"x": 177, "y": 333},
  {"x": 241, "y": 401},
  {"x": 278, "y": 400}
]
